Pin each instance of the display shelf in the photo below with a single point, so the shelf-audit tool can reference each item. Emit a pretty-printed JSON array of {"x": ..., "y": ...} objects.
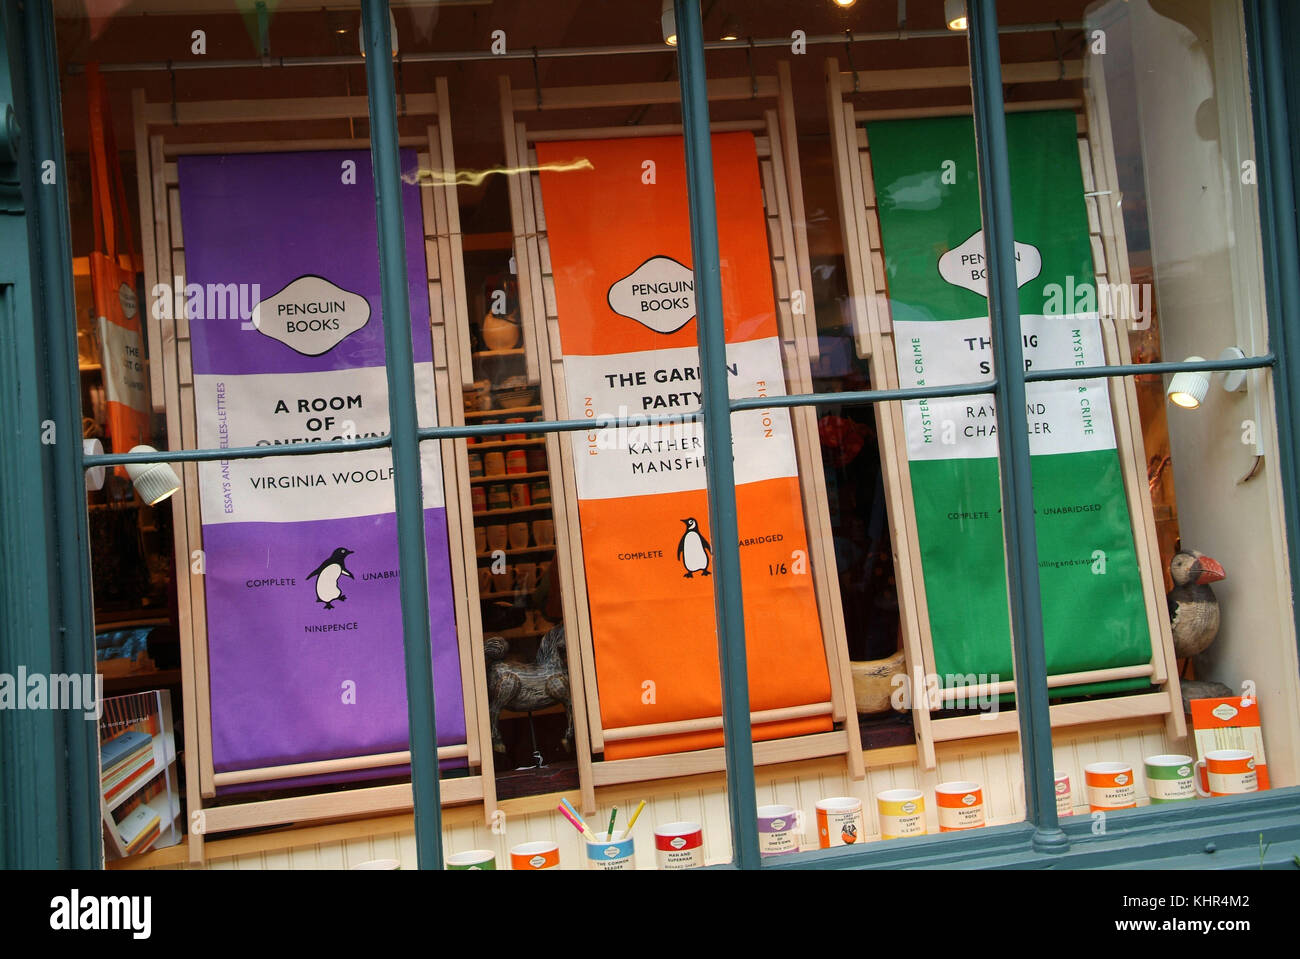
[
  {"x": 513, "y": 511},
  {"x": 506, "y": 444},
  {"x": 510, "y": 477},
  {"x": 490, "y": 354},
  {"x": 517, "y": 552},
  {"x": 505, "y": 411}
]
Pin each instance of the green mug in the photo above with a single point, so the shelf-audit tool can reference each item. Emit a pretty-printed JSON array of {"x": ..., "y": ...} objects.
[
  {"x": 474, "y": 859},
  {"x": 1170, "y": 778}
]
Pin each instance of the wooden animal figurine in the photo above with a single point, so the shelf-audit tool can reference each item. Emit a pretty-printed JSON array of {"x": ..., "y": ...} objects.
[
  {"x": 525, "y": 687},
  {"x": 1193, "y": 608}
]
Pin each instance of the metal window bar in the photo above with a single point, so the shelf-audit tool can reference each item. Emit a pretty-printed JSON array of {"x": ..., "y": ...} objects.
[
  {"x": 1029, "y": 655},
  {"x": 402, "y": 425}
]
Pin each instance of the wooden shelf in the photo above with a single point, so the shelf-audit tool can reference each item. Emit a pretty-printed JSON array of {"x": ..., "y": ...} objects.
[
  {"x": 505, "y": 444},
  {"x": 482, "y": 354},
  {"x": 509, "y": 477},
  {"x": 518, "y": 552},
  {"x": 507, "y": 411},
  {"x": 512, "y": 511}
]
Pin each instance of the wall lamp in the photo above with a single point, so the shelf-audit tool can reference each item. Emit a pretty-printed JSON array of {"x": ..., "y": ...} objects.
[
  {"x": 153, "y": 482},
  {"x": 1189, "y": 388}
]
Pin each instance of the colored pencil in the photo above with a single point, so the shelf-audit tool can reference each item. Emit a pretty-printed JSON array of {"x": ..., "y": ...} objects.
[
  {"x": 632, "y": 822},
  {"x": 573, "y": 822},
  {"x": 613, "y": 814},
  {"x": 581, "y": 823}
]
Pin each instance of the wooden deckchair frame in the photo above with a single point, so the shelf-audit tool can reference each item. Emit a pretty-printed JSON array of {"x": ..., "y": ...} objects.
[
  {"x": 775, "y": 135},
  {"x": 864, "y": 260},
  {"x": 172, "y": 392}
]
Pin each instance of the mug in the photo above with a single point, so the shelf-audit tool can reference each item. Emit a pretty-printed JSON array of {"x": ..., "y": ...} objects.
[
  {"x": 839, "y": 821},
  {"x": 902, "y": 813},
  {"x": 1064, "y": 801},
  {"x": 498, "y": 497},
  {"x": 379, "y": 864},
  {"x": 526, "y": 577},
  {"x": 961, "y": 805},
  {"x": 473, "y": 859},
  {"x": 1110, "y": 786},
  {"x": 1170, "y": 778},
  {"x": 518, "y": 535},
  {"x": 535, "y": 457},
  {"x": 485, "y": 579},
  {"x": 494, "y": 464},
  {"x": 497, "y": 537},
  {"x": 1230, "y": 771},
  {"x": 478, "y": 499},
  {"x": 776, "y": 830},
  {"x": 475, "y": 464},
  {"x": 544, "y": 532},
  {"x": 520, "y": 496},
  {"x": 531, "y": 856},
  {"x": 679, "y": 845},
  {"x": 480, "y": 539},
  {"x": 607, "y": 853},
  {"x": 502, "y": 580}
]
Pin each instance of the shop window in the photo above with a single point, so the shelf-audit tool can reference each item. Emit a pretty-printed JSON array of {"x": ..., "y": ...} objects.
[{"x": 229, "y": 284}]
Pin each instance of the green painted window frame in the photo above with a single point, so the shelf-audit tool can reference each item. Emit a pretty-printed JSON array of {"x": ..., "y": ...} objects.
[{"x": 62, "y": 761}]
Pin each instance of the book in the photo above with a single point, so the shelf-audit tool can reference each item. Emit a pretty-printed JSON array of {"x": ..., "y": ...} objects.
[{"x": 1229, "y": 723}]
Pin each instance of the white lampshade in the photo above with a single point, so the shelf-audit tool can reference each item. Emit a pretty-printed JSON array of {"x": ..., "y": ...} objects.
[
  {"x": 94, "y": 475},
  {"x": 668, "y": 23},
  {"x": 954, "y": 14},
  {"x": 1188, "y": 389},
  {"x": 153, "y": 482}
]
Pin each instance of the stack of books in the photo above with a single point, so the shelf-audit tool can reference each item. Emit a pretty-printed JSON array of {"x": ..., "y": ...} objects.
[{"x": 123, "y": 760}]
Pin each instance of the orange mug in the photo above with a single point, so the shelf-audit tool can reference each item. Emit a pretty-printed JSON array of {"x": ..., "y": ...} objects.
[
  {"x": 961, "y": 805},
  {"x": 1230, "y": 772},
  {"x": 531, "y": 856},
  {"x": 1110, "y": 786}
]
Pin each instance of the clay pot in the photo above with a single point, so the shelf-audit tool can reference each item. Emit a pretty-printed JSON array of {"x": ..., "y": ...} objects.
[{"x": 500, "y": 332}]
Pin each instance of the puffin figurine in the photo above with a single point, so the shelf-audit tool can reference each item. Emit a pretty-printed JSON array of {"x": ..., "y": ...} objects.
[{"x": 1193, "y": 610}]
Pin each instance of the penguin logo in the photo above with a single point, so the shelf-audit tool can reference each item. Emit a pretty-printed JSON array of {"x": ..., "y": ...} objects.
[
  {"x": 327, "y": 577},
  {"x": 693, "y": 550}
]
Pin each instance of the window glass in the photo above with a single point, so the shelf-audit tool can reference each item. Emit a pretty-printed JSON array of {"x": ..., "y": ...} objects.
[{"x": 1163, "y": 568}]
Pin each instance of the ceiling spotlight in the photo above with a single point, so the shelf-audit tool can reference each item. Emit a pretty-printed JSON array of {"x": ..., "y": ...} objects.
[
  {"x": 153, "y": 482},
  {"x": 392, "y": 34},
  {"x": 668, "y": 23},
  {"x": 954, "y": 14},
  {"x": 845, "y": 3},
  {"x": 1188, "y": 389},
  {"x": 730, "y": 28}
]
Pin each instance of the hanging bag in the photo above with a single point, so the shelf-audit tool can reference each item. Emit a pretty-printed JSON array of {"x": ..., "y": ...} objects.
[{"x": 113, "y": 286}]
